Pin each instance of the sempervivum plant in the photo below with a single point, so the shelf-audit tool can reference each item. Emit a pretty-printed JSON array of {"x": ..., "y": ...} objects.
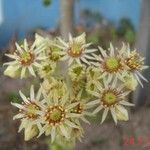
[{"x": 93, "y": 80}]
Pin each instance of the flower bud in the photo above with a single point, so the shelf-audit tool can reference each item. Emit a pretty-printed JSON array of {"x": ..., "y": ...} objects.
[
  {"x": 130, "y": 82},
  {"x": 121, "y": 113},
  {"x": 30, "y": 132},
  {"x": 12, "y": 71}
]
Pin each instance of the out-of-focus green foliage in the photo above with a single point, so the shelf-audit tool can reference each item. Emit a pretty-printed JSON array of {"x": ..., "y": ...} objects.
[
  {"x": 14, "y": 97},
  {"x": 89, "y": 18},
  {"x": 60, "y": 145},
  {"x": 126, "y": 30},
  {"x": 130, "y": 36},
  {"x": 124, "y": 25},
  {"x": 46, "y": 3},
  {"x": 94, "y": 38}
]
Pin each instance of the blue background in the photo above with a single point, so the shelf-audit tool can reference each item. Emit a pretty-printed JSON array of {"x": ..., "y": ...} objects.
[{"x": 22, "y": 16}]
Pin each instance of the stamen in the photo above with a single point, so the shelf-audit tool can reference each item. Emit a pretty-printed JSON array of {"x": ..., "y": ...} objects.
[
  {"x": 55, "y": 115},
  {"x": 109, "y": 97},
  {"x": 75, "y": 50},
  {"x": 112, "y": 64},
  {"x": 78, "y": 109},
  {"x": 30, "y": 112},
  {"x": 26, "y": 58},
  {"x": 133, "y": 61}
]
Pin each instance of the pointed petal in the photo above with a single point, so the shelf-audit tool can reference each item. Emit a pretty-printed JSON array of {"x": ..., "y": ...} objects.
[
  {"x": 126, "y": 103},
  {"x": 111, "y": 50},
  {"x": 31, "y": 71},
  {"x": 37, "y": 65},
  {"x": 97, "y": 109},
  {"x": 94, "y": 93},
  {"x": 39, "y": 94},
  {"x": 113, "y": 113},
  {"x": 70, "y": 61},
  {"x": 73, "y": 115},
  {"x": 23, "y": 71},
  {"x": 25, "y": 45},
  {"x": 18, "y": 116},
  {"x": 23, "y": 97},
  {"x": 138, "y": 80},
  {"x": 114, "y": 83},
  {"x": 18, "y": 105},
  {"x": 89, "y": 57},
  {"x": 85, "y": 61},
  {"x": 92, "y": 103},
  {"x": 104, "y": 115},
  {"x": 72, "y": 105},
  {"x": 64, "y": 131},
  {"x": 19, "y": 49},
  {"x": 71, "y": 124},
  {"x": 78, "y": 61},
  {"x": 11, "y": 56},
  {"x": 90, "y": 50},
  {"x": 70, "y": 38},
  {"x": 85, "y": 120},
  {"x": 53, "y": 134},
  {"x": 63, "y": 42},
  {"x": 141, "y": 76},
  {"x": 103, "y": 52},
  {"x": 121, "y": 113},
  {"x": 32, "y": 93}
]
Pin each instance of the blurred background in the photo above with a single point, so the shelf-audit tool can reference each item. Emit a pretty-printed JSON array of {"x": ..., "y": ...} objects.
[{"x": 104, "y": 21}]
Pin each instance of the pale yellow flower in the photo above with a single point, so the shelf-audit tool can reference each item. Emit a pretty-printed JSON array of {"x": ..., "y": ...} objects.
[
  {"x": 111, "y": 62},
  {"x": 135, "y": 63},
  {"x": 76, "y": 50},
  {"x": 25, "y": 59},
  {"x": 93, "y": 74},
  {"x": 30, "y": 132},
  {"x": 47, "y": 69},
  {"x": 29, "y": 111},
  {"x": 12, "y": 71},
  {"x": 83, "y": 106},
  {"x": 111, "y": 97},
  {"x": 130, "y": 82},
  {"x": 57, "y": 117},
  {"x": 40, "y": 40},
  {"x": 121, "y": 113},
  {"x": 77, "y": 72},
  {"x": 54, "y": 88}
]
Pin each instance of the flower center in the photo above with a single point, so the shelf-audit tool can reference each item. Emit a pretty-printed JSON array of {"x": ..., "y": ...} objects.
[
  {"x": 55, "y": 115},
  {"x": 53, "y": 53},
  {"x": 75, "y": 50},
  {"x": 31, "y": 111},
  {"x": 109, "y": 98},
  {"x": 26, "y": 58},
  {"x": 133, "y": 61},
  {"x": 112, "y": 64},
  {"x": 78, "y": 70},
  {"x": 47, "y": 68}
]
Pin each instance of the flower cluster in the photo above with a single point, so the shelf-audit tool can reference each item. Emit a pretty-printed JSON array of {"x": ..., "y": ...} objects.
[{"x": 76, "y": 81}]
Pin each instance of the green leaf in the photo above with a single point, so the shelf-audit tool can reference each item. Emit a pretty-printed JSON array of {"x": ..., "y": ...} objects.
[{"x": 46, "y": 3}]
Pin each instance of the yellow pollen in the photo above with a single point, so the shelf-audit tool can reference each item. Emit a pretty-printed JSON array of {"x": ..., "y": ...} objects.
[
  {"x": 109, "y": 98},
  {"x": 31, "y": 110},
  {"x": 78, "y": 109},
  {"x": 75, "y": 50},
  {"x": 133, "y": 61},
  {"x": 112, "y": 64},
  {"x": 26, "y": 58},
  {"x": 55, "y": 115}
]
